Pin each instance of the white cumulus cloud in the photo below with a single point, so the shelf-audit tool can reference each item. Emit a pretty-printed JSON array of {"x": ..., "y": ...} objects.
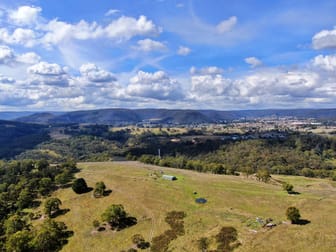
[
  {"x": 20, "y": 36},
  {"x": 28, "y": 58},
  {"x": 10, "y": 58},
  {"x": 325, "y": 39},
  {"x": 25, "y": 15},
  {"x": 6, "y": 79},
  {"x": 227, "y": 25},
  {"x": 267, "y": 87},
  {"x": 48, "y": 74},
  {"x": 211, "y": 70},
  {"x": 327, "y": 62},
  {"x": 183, "y": 51},
  {"x": 45, "y": 68},
  {"x": 253, "y": 61},
  {"x": 148, "y": 45},
  {"x": 157, "y": 85},
  {"x": 6, "y": 55},
  {"x": 211, "y": 85},
  {"x": 95, "y": 74},
  {"x": 121, "y": 29},
  {"x": 125, "y": 28}
]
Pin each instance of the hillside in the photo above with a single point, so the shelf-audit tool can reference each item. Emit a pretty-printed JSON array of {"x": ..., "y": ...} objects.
[
  {"x": 127, "y": 116},
  {"x": 16, "y": 137},
  {"x": 232, "y": 201},
  {"x": 8, "y": 115}
]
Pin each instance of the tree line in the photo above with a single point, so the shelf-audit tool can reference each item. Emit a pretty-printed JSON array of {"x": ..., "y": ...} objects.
[{"x": 300, "y": 154}]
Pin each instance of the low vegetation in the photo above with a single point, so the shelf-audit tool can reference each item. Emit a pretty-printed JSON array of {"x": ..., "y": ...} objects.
[
  {"x": 227, "y": 239},
  {"x": 175, "y": 220}
]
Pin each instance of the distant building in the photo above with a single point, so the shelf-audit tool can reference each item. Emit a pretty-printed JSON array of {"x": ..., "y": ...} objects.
[{"x": 169, "y": 177}]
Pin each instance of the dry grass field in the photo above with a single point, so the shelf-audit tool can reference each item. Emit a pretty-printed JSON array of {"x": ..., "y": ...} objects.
[{"x": 232, "y": 201}]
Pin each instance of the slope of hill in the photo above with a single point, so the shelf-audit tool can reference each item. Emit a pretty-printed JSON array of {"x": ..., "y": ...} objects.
[
  {"x": 16, "y": 137},
  {"x": 127, "y": 116},
  {"x": 234, "y": 201},
  {"x": 8, "y": 115},
  {"x": 40, "y": 118}
]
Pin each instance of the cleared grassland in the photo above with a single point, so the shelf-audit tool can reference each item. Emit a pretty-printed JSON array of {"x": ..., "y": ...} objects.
[{"x": 232, "y": 201}]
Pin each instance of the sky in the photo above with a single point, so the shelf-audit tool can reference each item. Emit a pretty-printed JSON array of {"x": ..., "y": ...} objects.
[{"x": 61, "y": 55}]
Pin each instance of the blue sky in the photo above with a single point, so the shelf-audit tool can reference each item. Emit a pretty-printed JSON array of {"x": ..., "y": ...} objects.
[{"x": 71, "y": 55}]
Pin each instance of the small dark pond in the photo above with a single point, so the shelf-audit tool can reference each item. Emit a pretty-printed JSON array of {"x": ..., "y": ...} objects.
[{"x": 201, "y": 200}]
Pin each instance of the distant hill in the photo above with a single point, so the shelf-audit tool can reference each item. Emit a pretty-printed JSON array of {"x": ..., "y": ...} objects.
[
  {"x": 16, "y": 137},
  {"x": 40, "y": 118},
  {"x": 119, "y": 116},
  {"x": 9, "y": 115}
]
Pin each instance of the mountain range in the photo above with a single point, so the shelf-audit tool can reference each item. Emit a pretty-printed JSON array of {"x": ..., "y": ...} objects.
[{"x": 120, "y": 116}]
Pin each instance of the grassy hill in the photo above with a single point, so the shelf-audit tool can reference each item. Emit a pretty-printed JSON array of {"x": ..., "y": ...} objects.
[{"x": 232, "y": 201}]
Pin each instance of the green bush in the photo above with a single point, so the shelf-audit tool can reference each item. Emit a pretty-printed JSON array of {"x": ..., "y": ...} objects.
[{"x": 293, "y": 214}]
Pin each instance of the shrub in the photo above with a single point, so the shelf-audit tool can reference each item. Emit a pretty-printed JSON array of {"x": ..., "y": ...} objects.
[
  {"x": 203, "y": 244},
  {"x": 288, "y": 187},
  {"x": 96, "y": 223},
  {"x": 293, "y": 214},
  {"x": 263, "y": 175},
  {"x": 99, "y": 189}
]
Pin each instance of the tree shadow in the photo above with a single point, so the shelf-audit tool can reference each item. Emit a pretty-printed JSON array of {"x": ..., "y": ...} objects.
[
  {"x": 126, "y": 222},
  {"x": 100, "y": 229},
  {"x": 88, "y": 189},
  {"x": 302, "y": 222},
  {"x": 35, "y": 204},
  {"x": 294, "y": 193},
  {"x": 68, "y": 233},
  {"x": 68, "y": 185},
  {"x": 60, "y": 212},
  {"x": 107, "y": 192}
]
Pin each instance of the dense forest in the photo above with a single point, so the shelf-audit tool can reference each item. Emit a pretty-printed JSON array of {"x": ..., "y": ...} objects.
[
  {"x": 23, "y": 185},
  {"x": 299, "y": 154},
  {"x": 17, "y": 137}
]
